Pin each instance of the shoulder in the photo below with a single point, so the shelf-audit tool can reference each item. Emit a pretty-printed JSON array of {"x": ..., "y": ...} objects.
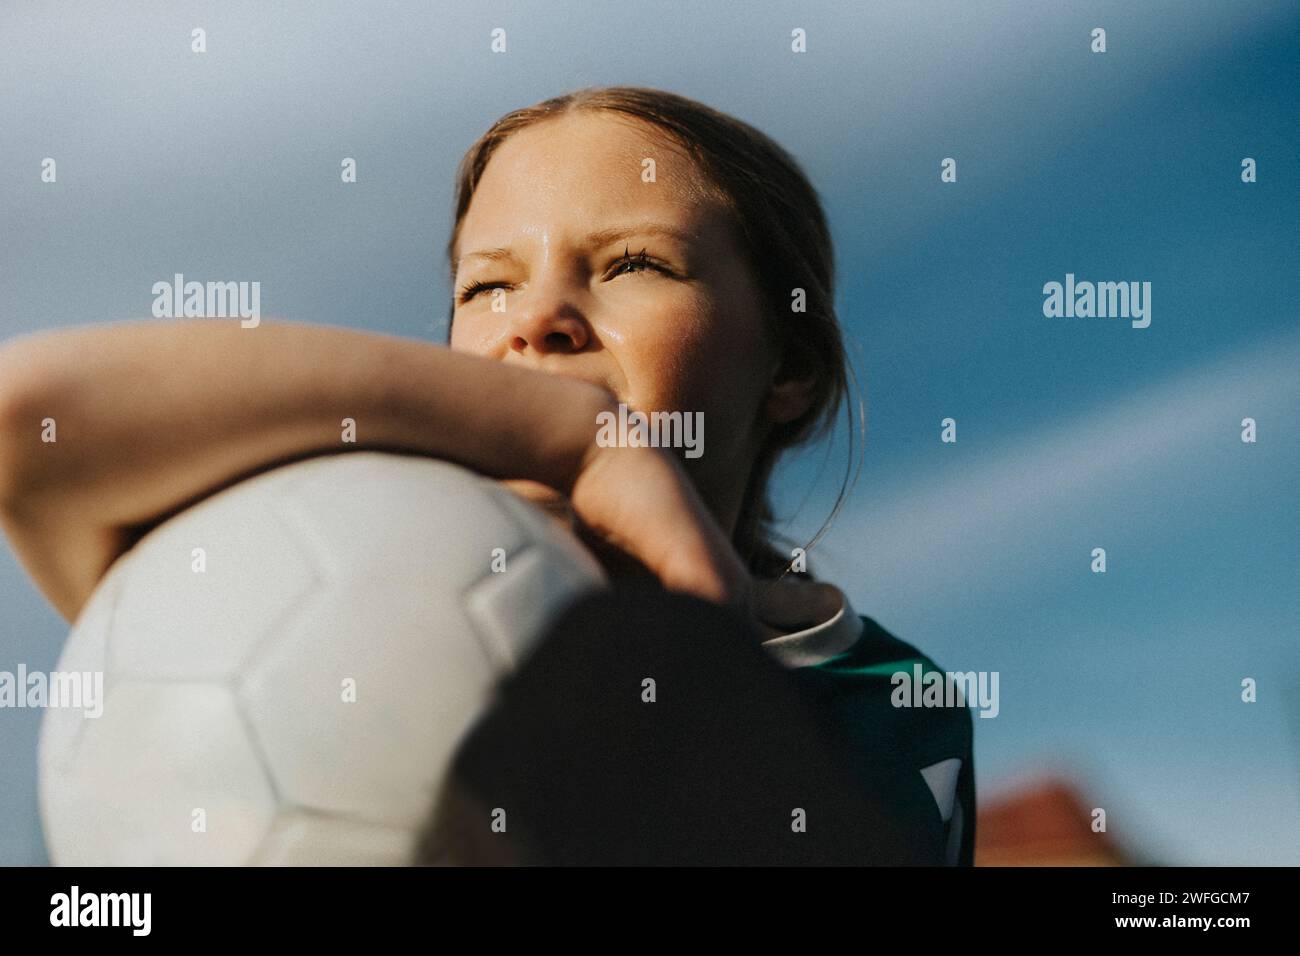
[
  {"x": 875, "y": 645},
  {"x": 882, "y": 679},
  {"x": 874, "y": 692}
]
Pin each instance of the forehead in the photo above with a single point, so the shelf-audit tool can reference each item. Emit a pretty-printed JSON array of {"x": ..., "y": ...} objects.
[{"x": 585, "y": 169}]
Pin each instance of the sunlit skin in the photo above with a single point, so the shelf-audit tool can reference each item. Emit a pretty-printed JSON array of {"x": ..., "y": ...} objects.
[{"x": 639, "y": 287}]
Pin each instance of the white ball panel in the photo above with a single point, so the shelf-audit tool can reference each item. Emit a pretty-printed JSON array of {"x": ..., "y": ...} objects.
[
  {"x": 61, "y": 728},
  {"x": 177, "y": 624},
  {"x": 415, "y": 517},
  {"x": 316, "y": 839},
  {"x": 420, "y": 677},
  {"x": 159, "y": 752}
]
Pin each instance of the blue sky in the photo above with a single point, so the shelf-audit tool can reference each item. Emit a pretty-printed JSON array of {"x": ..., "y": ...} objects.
[{"x": 1073, "y": 433}]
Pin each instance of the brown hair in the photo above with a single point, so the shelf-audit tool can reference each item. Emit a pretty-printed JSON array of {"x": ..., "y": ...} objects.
[{"x": 783, "y": 231}]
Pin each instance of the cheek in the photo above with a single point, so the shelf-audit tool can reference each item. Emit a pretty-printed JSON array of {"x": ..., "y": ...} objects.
[
  {"x": 664, "y": 346},
  {"x": 469, "y": 335},
  {"x": 697, "y": 356}
]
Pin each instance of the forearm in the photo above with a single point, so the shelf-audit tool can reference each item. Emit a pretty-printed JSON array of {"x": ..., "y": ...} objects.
[{"x": 150, "y": 415}]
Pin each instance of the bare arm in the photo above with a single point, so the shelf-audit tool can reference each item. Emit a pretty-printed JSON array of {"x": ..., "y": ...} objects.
[{"x": 151, "y": 416}]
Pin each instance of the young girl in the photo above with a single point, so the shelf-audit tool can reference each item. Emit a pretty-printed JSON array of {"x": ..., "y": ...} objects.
[{"x": 615, "y": 246}]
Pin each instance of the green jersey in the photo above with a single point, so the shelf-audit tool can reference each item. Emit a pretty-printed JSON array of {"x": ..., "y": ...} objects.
[{"x": 918, "y": 760}]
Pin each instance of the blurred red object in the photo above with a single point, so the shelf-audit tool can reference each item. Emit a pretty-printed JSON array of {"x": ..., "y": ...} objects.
[{"x": 1045, "y": 823}]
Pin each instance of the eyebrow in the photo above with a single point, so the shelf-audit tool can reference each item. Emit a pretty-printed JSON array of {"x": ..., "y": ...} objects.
[{"x": 594, "y": 240}]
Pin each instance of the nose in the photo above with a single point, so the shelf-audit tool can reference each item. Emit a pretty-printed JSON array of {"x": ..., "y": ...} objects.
[
  {"x": 544, "y": 316},
  {"x": 547, "y": 322}
]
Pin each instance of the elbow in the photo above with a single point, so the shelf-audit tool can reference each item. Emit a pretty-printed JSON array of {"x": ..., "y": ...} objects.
[{"x": 21, "y": 428}]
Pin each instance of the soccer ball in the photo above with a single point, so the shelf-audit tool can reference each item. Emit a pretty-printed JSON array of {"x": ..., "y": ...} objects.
[{"x": 290, "y": 664}]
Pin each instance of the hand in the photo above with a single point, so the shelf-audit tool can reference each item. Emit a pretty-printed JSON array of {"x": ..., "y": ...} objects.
[
  {"x": 639, "y": 502},
  {"x": 776, "y": 608}
]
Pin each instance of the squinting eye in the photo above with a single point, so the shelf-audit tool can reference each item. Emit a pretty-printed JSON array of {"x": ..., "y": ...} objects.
[
  {"x": 625, "y": 264},
  {"x": 474, "y": 288},
  {"x": 635, "y": 263}
]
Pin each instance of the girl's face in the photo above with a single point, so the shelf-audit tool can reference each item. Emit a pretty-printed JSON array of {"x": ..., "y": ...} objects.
[{"x": 640, "y": 287}]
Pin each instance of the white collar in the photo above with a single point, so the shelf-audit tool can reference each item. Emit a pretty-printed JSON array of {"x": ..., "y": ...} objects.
[{"x": 814, "y": 645}]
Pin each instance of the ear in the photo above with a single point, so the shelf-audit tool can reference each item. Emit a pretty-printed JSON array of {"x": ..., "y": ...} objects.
[{"x": 791, "y": 392}]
